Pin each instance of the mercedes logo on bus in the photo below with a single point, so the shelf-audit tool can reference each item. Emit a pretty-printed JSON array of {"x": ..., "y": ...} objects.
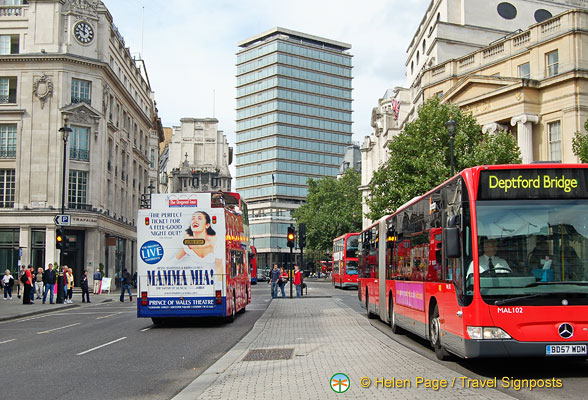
[{"x": 566, "y": 330}]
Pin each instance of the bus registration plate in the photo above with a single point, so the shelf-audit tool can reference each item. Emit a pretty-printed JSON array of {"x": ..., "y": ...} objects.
[{"x": 565, "y": 349}]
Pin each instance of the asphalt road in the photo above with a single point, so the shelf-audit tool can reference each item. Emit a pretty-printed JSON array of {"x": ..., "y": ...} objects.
[
  {"x": 572, "y": 372},
  {"x": 104, "y": 351}
]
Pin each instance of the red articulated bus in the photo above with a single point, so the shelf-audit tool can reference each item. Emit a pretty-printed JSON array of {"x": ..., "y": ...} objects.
[
  {"x": 491, "y": 263},
  {"x": 345, "y": 261}
]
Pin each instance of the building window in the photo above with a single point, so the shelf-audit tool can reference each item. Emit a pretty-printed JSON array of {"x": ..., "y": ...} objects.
[
  {"x": 195, "y": 182},
  {"x": 81, "y": 91},
  {"x": 554, "y": 131},
  {"x": 7, "y": 185},
  {"x": 77, "y": 192},
  {"x": 7, "y": 141},
  {"x": 525, "y": 70},
  {"x": 78, "y": 148},
  {"x": 552, "y": 63},
  {"x": 152, "y": 160},
  {"x": 214, "y": 182},
  {"x": 7, "y": 90},
  {"x": 9, "y": 249},
  {"x": 38, "y": 248},
  {"x": 9, "y": 44}
]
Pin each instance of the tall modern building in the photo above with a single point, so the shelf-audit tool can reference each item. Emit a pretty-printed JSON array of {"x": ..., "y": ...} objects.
[{"x": 293, "y": 123}]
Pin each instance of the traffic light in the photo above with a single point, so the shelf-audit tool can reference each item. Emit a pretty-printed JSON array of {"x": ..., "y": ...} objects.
[
  {"x": 291, "y": 237},
  {"x": 302, "y": 236},
  {"x": 60, "y": 239}
]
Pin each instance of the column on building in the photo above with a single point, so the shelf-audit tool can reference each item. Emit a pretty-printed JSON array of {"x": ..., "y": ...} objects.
[
  {"x": 525, "y": 134},
  {"x": 493, "y": 127},
  {"x": 24, "y": 240}
]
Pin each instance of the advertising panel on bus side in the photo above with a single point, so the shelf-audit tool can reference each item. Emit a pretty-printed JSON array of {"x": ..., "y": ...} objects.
[{"x": 181, "y": 252}]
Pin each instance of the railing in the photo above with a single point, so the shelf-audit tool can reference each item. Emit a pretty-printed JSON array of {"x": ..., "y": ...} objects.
[
  {"x": 521, "y": 39},
  {"x": 464, "y": 62},
  {"x": 7, "y": 98},
  {"x": 79, "y": 154},
  {"x": 494, "y": 50},
  {"x": 439, "y": 70},
  {"x": 76, "y": 100},
  {"x": 11, "y": 11},
  {"x": 8, "y": 153},
  {"x": 551, "y": 25}
]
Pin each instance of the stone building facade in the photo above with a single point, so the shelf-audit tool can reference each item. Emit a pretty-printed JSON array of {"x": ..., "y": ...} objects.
[
  {"x": 197, "y": 158},
  {"x": 65, "y": 67}
]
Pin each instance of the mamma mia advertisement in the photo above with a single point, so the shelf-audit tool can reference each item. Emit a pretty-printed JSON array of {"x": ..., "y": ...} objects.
[{"x": 181, "y": 252}]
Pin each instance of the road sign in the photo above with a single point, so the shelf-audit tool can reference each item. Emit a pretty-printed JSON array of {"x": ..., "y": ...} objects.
[{"x": 62, "y": 220}]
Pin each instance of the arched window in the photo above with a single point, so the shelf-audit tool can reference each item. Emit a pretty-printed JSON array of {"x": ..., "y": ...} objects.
[
  {"x": 417, "y": 59},
  {"x": 424, "y": 45}
]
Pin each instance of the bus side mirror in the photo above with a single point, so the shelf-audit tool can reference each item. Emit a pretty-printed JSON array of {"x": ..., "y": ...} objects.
[{"x": 452, "y": 245}]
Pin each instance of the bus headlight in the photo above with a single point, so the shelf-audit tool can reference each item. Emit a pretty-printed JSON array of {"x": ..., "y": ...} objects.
[{"x": 487, "y": 332}]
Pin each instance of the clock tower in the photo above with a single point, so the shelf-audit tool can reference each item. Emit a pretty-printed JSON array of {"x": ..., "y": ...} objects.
[{"x": 81, "y": 26}]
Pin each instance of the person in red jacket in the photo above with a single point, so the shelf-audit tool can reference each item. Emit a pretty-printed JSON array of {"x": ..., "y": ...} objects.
[{"x": 298, "y": 281}]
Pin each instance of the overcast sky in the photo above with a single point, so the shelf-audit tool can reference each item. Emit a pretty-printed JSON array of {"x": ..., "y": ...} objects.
[{"x": 189, "y": 47}]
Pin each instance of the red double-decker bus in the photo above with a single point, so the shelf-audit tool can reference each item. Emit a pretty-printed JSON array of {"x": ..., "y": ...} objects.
[
  {"x": 345, "y": 261},
  {"x": 491, "y": 263}
]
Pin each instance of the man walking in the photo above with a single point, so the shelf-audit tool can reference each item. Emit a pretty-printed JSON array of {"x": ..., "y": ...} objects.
[
  {"x": 19, "y": 283},
  {"x": 298, "y": 280},
  {"x": 84, "y": 286},
  {"x": 97, "y": 281},
  {"x": 126, "y": 285},
  {"x": 39, "y": 283},
  {"x": 274, "y": 278},
  {"x": 49, "y": 279}
]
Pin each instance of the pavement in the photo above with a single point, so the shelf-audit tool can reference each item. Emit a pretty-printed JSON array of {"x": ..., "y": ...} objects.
[
  {"x": 313, "y": 338},
  {"x": 14, "y": 309}
]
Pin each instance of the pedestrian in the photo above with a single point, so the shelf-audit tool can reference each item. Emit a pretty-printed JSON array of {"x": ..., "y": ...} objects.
[
  {"x": 298, "y": 281},
  {"x": 27, "y": 281},
  {"x": 283, "y": 281},
  {"x": 64, "y": 279},
  {"x": 126, "y": 285},
  {"x": 274, "y": 278},
  {"x": 34, "y": 279},
  {"x": 84, "y": 286},
  {"x": 70, "y": 285},
  {"x": 97, "y": 281},
  {"x": 7, "y": 283},
  {"x": 19, "y": 283},
  {"x": 49, "y": 279},
  {"x": 39, "y": 283}
]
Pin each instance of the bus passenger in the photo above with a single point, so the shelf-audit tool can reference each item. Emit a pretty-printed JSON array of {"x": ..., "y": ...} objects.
[{"x": 489, "y": 260}]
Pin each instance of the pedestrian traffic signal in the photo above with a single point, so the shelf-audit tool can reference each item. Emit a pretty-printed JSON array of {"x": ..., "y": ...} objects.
[
  {"x": 60, "y": 239},
  {"x": 302, "y": 236},
  {"x": 291, "y": 237}
]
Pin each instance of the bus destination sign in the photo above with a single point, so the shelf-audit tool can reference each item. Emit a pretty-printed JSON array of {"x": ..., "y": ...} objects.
[{"x": 519, "y": 184}]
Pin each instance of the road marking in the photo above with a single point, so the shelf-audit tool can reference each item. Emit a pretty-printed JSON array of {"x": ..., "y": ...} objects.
[
  {"x": 6, "y": 341},
  {"x": 56, "y": 329},
  {"x": 146, "y": 329},
  {"x": 106, "y": 316},
  {"x": 102, "y": 345},
  {"x": 30, "y": 319}
]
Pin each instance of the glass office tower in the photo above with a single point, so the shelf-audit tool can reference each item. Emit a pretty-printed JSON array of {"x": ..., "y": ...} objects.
[{"x": 293, "y": 123}]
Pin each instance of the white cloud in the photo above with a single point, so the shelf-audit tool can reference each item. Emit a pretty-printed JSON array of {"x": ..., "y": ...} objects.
[{"x": 189, "y": 47}]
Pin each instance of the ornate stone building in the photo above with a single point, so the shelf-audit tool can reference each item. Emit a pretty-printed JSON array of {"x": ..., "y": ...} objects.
[
  {"x": 64, "y": 67},
  {"x": 197, "y": 157},
  {"x": 449, "y": 30}
]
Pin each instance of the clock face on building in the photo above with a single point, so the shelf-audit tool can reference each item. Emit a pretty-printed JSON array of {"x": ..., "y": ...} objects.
[{"x": 83, "y": 32}]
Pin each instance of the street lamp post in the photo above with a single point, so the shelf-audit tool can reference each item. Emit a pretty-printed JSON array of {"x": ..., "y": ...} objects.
[
  {"x": 65, "y": 130},
  {"x": 451, "y": 124}
]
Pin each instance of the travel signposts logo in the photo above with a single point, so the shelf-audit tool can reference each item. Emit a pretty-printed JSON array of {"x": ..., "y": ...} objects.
[{"x": 340, "y": 383}]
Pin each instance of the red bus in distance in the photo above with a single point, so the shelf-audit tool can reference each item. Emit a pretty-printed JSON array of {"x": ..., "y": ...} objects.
[
  {"x": 345, "y": 261},
  {"x": 491, "y": 263}
]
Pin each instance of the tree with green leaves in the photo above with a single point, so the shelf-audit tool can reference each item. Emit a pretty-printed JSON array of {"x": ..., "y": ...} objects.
[
  {"x": 420, "y": 156},
  {"x": 580, "y": 144},
  {"x": 332, "y": 208}
]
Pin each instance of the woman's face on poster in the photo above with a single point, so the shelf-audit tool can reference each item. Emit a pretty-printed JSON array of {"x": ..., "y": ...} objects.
[{"x": 198, "y": 223}]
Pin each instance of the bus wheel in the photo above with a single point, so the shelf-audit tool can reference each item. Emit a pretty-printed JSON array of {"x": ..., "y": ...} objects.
[
  {"x": 392, "y": 316},
  {"x": 231, "y": 317},
  {"x": 157, "y": 321},
  {"x": 367, "y": 305},
  {"x": 435, "y": 336}
]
